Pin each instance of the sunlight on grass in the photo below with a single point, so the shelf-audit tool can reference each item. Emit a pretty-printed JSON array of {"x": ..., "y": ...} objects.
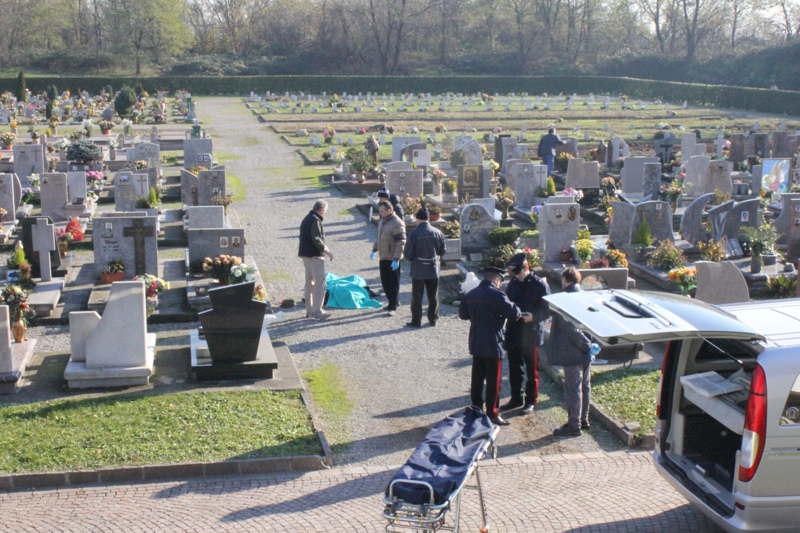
[
  {"x": 329, "y": 393},
  {"x": 224, "y": 157},
  {"x": 234, "y": 184},
  {"x": 627, "y": 395},
  {"x": 274, "y": 274},
  {"x": 153, "y": 429}
]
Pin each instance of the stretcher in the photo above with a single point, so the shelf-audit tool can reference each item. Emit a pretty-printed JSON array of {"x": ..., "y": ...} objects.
[{"x": 430, "y": 483}]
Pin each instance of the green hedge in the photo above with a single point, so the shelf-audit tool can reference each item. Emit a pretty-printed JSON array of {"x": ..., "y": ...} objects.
[{"x": 763, "y": 100}]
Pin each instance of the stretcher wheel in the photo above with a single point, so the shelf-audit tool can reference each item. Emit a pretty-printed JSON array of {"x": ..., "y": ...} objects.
[{"x": 494, "y": 451}]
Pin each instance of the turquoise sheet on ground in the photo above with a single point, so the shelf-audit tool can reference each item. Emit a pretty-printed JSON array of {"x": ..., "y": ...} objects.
[{"x": 348, "y": 293}]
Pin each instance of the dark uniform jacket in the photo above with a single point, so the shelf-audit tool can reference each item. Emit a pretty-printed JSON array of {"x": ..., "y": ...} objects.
[
  {"x": 527, "y": 295},
  {"x": 548, "y": 143},
  {"x": 487, "y": 308},
  {"x": 312, "y": 236},
  {"x": 424, "y": 246},
  {"x": 567, "y": 345}
]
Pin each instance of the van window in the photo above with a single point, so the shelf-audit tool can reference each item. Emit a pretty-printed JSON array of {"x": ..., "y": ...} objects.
[
  {"x": 715, "y": 349},
  {"x": 790, "y": 416}
]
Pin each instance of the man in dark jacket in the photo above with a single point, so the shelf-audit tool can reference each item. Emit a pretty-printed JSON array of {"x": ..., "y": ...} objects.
[
  {"x": 487, "y": 308},
  {"x": 397, "y": 206},
  {"x": 312, "y": 250},
  {"x": 569, "y": 347},
  {"x": 523, "y": 340},
  {"x": 547, "y": 148},
  {"x": 424, "y": 248}
]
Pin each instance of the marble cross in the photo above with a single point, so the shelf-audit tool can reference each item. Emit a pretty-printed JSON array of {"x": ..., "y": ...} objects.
[
  {"x": 139, "y": 231},
  {"x": 44, "y": 242}
]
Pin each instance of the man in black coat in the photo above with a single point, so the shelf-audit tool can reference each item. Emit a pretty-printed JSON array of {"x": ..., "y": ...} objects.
[
  {"x": 523, "y": 340},
  {"x": 487, "y": 308},
  {"x": 425, "y": 247},
  {"x": 312, "y": 251}
]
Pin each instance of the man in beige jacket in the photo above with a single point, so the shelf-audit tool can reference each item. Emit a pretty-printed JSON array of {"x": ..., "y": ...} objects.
[{"x": 389, "y": 249}]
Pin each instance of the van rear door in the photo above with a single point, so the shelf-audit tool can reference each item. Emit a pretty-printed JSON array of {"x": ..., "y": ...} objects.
[{"x": 626, "y": 317}]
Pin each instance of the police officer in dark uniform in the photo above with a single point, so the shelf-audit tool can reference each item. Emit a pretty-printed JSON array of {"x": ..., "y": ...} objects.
[
  {"x": 487, "y": 308},
  {"x": 523, "y": 340}
]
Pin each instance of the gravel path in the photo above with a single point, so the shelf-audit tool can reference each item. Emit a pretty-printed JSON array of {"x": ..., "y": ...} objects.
[{"x": 400, "y": 380}]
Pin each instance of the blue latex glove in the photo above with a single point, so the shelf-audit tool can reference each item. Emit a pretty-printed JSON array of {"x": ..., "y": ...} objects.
[
  {"x": 395, "y": 265},
  {"x": 372, "y": 256}
]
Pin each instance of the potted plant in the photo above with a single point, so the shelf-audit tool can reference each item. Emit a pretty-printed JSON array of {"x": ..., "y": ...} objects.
[
  {"x": 642, "y": 240},
  {"x": 584, "y": 248},
  {"x": 359, "y": 163},
  {"x": 153, "y": 286},
  {"x": 449, "y": 192},
  {"x": 761, "y": 239},
  {"x": 94, "y": 179},
  {"x": 505, "y": 198},
  {"x": 63, "y": 237},
  {"x": 685, "y": 277},
  {"x": 7, "y": 139},
  {"x": 529, "y": 239},
  {"x": 106, "y": 126},
  {"x": 241, "y": 273},
  {"x": 222, "y": 199},
  {"x": 84, "y": 152},
  {"x": 674, "y": 191},
  {"x": 437, "y": 176},
  {"x": 16, "y": 298},
  {"x": 113, "y": 271}
]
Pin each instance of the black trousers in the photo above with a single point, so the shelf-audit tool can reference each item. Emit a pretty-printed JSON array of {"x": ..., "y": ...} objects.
[
  {"x": 390, "y": 279},
  {"x": 488, "y": 370},
  {"x": 431, "y": 286},
  {"x": 527, "y": 358}
]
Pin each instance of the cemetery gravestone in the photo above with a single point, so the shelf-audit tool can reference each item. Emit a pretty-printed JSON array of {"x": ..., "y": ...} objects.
[
  {"x": 618, "y": 148},
  {"x": 7, "y": 199},
  {"x": 76, "y": 187},
  {"x": 32, "y": 255},
  {"x": 717, "y": 217},
  {"x": 736, "y": 150},
  {"x": 205, "y": 217},
  {"x": 659, "y": 219},
  {"x": 692, "y": 220},
  {"x": 124, "y": 191},
  {"x": 760, "y": 145},
  {"x": 402, "y": 182},
  {"x": 131, "y": 239},
  {"x": 43, "y": 241},
  {"x": 527, "y": 183},
  {"x": 499, "y": 146},
  {"x": 213, "y": 242},
  {"x": 192, "y": 148},
  {"x": 743, "y": 214},
  {"x": 558, "y": 227},
  {"x": 470, "y": 182},
  {"x": 664, "y": 148},
  {"x": 632, "y": 174},
  {"x": 621, "y": 228},
  {"x": 29, "y": 159},
  {"x": 472, "y": 151},
  {"x": 399, "y": 142},
  {"x": 210, "y": 183},
  {"x": 689, "y": 146},
  {"x": 719, "y": 177},
  {"x": 233, "y": 325},
  {"x": 149, "y": 152},
  {"x": 696, "y": 172},
  {"x": 574, "y": 173},
  {"x": 652, "y": 180},
  {"x": 785, "y": 220},
  {"x": 54, "y": 196},
  {"x": 793, "y": 237},
  {"x": 476, "y": 223}
]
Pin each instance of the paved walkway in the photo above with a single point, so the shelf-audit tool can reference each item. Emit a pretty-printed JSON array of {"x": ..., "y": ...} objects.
[{"x": 619, "y": 492}]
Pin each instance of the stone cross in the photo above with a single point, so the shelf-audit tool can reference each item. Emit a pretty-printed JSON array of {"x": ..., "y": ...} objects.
[
  {"x": 719, "y": 143},
  {"x": 139, "y": 231},
  {"x": 44, "y": 242},
  {"x": 142, "y": 185},
  {"x": 540, "y": 171}
]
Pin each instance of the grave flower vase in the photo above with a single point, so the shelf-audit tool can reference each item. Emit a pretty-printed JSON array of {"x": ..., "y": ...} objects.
[
  {"x": 18, "y": 329},
  {"x": 62, "y": 248},
  {"x": 755, "y": 264},
  {"x": 107, "y": 279}
]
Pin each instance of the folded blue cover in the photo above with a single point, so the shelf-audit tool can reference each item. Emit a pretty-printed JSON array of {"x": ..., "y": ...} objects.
[{"x": 444, "y": 457}]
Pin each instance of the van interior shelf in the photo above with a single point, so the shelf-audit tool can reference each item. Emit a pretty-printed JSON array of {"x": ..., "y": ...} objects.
[{"x": 718, "y": 397}]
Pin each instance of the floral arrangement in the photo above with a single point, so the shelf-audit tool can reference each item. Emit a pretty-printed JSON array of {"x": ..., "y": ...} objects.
[
  {"x": 711, "y": 251},
  {"x": 438, "y": 175},
  {"x": 16, "y": 298},
  {"x": 506, "y": 198},
  {"x": 3, "y": 213},
  {"x": 577, "y": 194},
  {"x": 535, "y": 213},
  {"x": 600, "y": 262},
  {"x": 361, "y": 131},
  {"x": 451, "y": 230},
  {"x": 94, "y": 177},
  {"x": 113, "y": 267},
  {"x": 63, "y": 235},
  {"x": 113, "y": 143},
  {"x": 242, "y": 274},
  {"x": 126, "y": 126},
  {"x": 140, "y": 164},
  {"x": 327, "y": 133},
  {"x": 34, "y": 180},
  {"x": 153, "y": 285},
  {"x": 666, "y": 256},
  {"x": 411, "y": 204},
  {"x": 74, "y": 229},
  {"x": 88, "y": 126},
  {"x": 259, "y": 293},
  {"x": 106, "y": 125},
  {"x": 617, "y": 259},
  {"x": 781, "y": 286},
  {"x": 222, "y": 199},
  {"x": 584, "y": 248},
  {"x": 674, "y": 190},
  {"x": 562, "y": 161},
  {"x": 494, "y": 165},
  {"x": 220, "y": 266},
  {"x": 63, "y": 143},
  {"x": 8, "y": 138},
  {"x": 197, "y": 169},
  {"x": 449, "y": 186},
  {"x": 685, "y": 277}
]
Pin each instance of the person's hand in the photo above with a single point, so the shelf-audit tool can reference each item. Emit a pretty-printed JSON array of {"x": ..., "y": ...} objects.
[
  {"x": 395, "y": 265},
  {"x": 330, "y": 255},
  {"x": 372, "y": 256},
  {"x": 527, "y": 317}
]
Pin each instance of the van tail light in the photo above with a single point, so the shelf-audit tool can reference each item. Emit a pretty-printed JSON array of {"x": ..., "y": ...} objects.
[
  {"x": 666, "y": 363},
  {"x": 755, "y": 426}
]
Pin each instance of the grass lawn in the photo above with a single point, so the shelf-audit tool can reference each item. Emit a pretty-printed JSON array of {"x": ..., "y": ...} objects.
[
  {"x": 627, "y": 395},
  {"x": 139, "y": 429}
]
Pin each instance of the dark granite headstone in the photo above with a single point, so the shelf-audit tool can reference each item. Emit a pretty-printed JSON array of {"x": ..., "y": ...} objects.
[
  {"x": 498, "y": 149},
  {"x": 56, "y": 269},
  {"x": 232, "y": 326}
]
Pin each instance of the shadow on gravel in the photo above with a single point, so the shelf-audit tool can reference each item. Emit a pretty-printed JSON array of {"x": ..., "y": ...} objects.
[
  {"x": 448, "y": 405},
  {"x": 358, "y": 488},
  {"x": 686, "y": 514}
]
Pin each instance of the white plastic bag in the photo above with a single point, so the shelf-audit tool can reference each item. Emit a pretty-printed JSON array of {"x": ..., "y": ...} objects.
[{"x": 470, "y": 283}]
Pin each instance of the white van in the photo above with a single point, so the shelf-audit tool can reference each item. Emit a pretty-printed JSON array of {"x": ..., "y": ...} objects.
[{"x": 728, "y": 415}]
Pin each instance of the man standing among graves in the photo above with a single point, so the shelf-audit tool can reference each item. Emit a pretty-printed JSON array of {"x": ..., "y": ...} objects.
[
  {"x": 372, "y": 147},
  {"x": 526, "y": 290},
  {"x": 570, "y": 348},
  {"x": 424, "y": 248},
  {"x": 547, "y": 148},
  {"x": 389, "y": 249},
  {"x": 313, "y": 250},
  {"x": 487, "y": 308}
]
